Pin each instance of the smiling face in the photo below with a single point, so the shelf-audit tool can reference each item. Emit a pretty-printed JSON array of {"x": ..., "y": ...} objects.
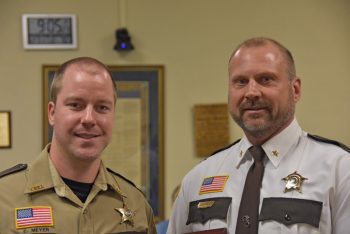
[
  {"x": 83, "y": 114},
  {"x": 262, "y": 94}
]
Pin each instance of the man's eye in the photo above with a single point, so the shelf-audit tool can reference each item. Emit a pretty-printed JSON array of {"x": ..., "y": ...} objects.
[
  {"x": 75, "y": 106},
  {"x": 240, "y": 82},
  {"x": 103, "y": 108},
  {"x": 265, "y": 79}
]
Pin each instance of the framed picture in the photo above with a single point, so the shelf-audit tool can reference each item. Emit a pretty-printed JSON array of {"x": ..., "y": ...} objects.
[
  {"x": 137, "y": 147},
  {"x": 49, "y": 31},
  {"x": 5, "y": 129}
]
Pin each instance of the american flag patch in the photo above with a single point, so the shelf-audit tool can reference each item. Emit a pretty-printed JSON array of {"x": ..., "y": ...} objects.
[
  {"x": 36, "y": 216},
  {"x": 213, "y": 184}
]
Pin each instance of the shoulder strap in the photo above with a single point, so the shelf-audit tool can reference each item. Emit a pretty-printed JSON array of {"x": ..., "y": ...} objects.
[
  {"x": 119, "y": 175},
  {"x": 325, "y": 140},
  {"x": 127, "y": 180},
  {"x": 226, "y": 147},
  {"x": 17, "y": 168}
]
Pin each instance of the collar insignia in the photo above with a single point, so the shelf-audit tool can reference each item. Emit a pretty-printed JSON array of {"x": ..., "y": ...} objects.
[
  {"x": 127, "y": 215},
  {"x": 37, "y": 188},
  {"x": 293, "y": 182},
  {"x": 275, "y": 153}
]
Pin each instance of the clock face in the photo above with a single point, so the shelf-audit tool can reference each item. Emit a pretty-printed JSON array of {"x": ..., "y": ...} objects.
[{"x": 49, "y": 31}]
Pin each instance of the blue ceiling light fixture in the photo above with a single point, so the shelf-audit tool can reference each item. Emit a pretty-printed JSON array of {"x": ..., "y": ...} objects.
[{"x": 123, "y": 40}]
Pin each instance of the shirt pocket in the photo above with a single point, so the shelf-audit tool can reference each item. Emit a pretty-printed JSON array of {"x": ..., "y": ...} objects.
[
  {"x": 201, "y": 211},
  {"x": 292, "y": 213}
]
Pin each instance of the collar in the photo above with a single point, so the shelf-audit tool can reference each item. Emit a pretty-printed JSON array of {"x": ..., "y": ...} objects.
[
  {"x": 105, "y": 180},
  {"x": 43, "y": 175},
  {"x": 276, "y": 148},
  {"x": 39, "y": 174}
]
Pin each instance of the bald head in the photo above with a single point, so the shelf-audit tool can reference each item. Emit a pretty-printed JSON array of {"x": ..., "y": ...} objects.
[{"x": 262, "y": 41}]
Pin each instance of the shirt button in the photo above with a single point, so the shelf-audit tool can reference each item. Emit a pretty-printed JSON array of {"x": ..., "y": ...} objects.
[
  {"x": 85, "y": 212},
  {"x": 287, "y": 217}
]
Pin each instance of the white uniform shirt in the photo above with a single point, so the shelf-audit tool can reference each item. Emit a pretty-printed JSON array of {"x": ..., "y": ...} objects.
[{"x": 324, "y": 167}]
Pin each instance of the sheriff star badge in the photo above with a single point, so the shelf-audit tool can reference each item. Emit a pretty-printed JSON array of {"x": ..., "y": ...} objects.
[{"x": 293, "y": 182}]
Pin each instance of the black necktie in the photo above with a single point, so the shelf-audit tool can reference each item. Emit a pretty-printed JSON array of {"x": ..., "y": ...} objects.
[{"x": 247, "y": 220}]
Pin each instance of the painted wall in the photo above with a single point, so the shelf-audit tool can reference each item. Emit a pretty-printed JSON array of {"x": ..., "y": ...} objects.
[{"x": 193, "y": 40}]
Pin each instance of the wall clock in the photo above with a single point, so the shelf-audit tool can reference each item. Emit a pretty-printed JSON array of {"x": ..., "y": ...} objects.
[{"x": 49, "y": 31}]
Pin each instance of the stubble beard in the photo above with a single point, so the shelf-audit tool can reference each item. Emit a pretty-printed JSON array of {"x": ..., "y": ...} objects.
[{"x": 269, "y": 124}]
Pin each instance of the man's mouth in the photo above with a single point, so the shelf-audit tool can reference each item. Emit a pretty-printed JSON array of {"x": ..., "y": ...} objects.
[
  {"x": 254, "y": 106},
  {"x": 86, "y": 135}
]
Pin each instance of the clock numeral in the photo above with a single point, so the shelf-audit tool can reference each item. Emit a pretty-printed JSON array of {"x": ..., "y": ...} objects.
[{"x": 51, "y": 26}]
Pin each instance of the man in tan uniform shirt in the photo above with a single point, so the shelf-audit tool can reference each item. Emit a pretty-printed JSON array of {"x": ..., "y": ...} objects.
[{"x": 67, "y": 189}]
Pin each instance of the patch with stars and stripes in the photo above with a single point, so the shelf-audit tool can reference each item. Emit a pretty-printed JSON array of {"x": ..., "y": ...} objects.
[{"x": 213, "y": 184}]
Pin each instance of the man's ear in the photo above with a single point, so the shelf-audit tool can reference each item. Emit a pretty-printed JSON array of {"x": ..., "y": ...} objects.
[
  {"x": 296, "y": 86},
  {"x": 51, "y": 113}
]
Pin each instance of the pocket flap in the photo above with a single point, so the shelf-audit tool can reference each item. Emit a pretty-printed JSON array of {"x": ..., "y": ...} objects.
[
  {"x": 209, "y": 208},
  {"x": 212, "y": 231},
  {"x": 291, "y": 211}
]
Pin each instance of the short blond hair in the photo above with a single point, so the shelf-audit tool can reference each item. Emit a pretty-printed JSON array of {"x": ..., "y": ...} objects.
[{"x": 56, "y": 84}]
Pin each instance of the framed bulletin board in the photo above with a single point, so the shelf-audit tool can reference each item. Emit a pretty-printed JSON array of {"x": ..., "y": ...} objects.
[
  {"x": 137, "y": 147},
  {"x": 211, "y": 122}
]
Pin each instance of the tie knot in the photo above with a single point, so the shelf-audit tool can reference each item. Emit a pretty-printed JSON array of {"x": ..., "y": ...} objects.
[{"x": 257, "y": 153}]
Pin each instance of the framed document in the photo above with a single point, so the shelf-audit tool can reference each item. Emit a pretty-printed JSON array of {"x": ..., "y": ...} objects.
[
  {"x": 5, "y": 129},
  {"x": 49, "y": 31},
  {"x": 137, "y": 146}
]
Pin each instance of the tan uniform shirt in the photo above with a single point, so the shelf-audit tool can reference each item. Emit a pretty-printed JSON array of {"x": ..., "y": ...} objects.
[{"x": 36, "y": 200}]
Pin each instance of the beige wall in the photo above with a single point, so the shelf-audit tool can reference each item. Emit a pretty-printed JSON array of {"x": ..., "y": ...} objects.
[{"x": 193, "y": 40}]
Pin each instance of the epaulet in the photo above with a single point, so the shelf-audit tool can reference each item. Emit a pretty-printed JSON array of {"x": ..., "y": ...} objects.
[
  {"x": 127, "y": 180},
  {"x": 119, "y": 175},
  {"x": 17, "y": 168},
  {"x": 325, "y": 140},
  {"x": 226, "y": 147}
]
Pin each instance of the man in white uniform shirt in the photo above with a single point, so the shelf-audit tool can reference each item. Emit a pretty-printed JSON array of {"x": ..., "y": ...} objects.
[{"x": 306, "y": 179}]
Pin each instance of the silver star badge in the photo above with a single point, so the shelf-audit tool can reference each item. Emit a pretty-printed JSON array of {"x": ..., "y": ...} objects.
[
  {"x": 293, "y": 182},
  {"x": 127, "y": 215}
]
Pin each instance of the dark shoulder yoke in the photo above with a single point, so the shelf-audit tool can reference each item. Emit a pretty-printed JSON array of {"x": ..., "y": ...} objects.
[
  {"x": 333, "y": 142},
  {"x": 226, "y": 147},
  {"x": 119, "y": 175},
  {"x": 17, "y": 168},
  {"x": 127, "y": 180}
]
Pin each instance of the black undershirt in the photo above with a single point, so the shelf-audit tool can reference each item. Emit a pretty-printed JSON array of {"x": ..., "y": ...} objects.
[{"x": 81, "y": 190}]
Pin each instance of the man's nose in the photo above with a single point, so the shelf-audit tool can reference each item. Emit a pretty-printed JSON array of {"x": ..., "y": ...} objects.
[
  {"x": 253, "y": 90},
  {"x": 88, "y": 118}
]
